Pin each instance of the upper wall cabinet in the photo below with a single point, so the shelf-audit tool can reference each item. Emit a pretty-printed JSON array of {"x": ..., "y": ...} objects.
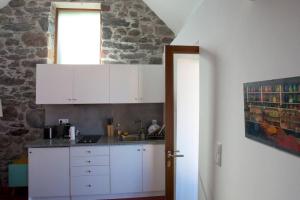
[
  {"x": 54, "y": 84},
  {"x": 137, "y": 84},
  {"x": 97, "y": 84},
  {"x": 152, "y": 83},
  {"x": 91, "y": 84},
  {"x": 66, "y": 84},
  {"x": 124, "y": 84}
]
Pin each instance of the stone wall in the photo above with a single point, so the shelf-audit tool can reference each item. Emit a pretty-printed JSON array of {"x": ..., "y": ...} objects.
[{"x": 132, "y": 33}]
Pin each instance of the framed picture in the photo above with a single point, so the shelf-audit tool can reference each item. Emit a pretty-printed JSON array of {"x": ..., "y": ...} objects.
[{"x": 272, "y": 113}]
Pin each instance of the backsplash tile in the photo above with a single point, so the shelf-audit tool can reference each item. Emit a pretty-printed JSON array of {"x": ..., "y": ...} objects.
[{"x": 91, "y": 119}]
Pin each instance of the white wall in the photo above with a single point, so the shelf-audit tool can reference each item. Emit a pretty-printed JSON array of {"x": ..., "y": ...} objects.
[
  {"x": 243, "y": 41},
  {"x": 3, "y": 3}
]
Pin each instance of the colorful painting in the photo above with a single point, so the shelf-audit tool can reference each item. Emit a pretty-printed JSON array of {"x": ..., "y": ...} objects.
[{"x": 272, "y": 113}]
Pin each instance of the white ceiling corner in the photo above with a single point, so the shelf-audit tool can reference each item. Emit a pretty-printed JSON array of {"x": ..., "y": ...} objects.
[{"x": 173, "y": 12}]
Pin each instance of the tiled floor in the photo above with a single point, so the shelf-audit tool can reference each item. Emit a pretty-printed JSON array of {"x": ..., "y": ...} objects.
[
  {"x": 21, "y": 194},
  {"x": 148, "y": 198}
]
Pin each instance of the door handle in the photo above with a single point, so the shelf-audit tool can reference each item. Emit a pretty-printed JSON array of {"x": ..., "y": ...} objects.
[{"x": 170, "y": 155}]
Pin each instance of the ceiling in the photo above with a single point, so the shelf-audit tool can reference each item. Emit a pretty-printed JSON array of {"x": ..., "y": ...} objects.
[{"x": 173, "y": 12}]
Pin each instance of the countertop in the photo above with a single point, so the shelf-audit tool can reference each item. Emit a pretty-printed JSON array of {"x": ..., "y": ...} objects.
[{"x": 45, "y": 143}]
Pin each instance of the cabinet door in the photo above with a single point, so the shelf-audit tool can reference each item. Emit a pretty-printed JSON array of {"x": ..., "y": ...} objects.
[
  {"x": 91, "y": 84},
  {"x": 153, "y": 168},
  {"x": 152, "y": 83},
  {"x": 54, "y": 84},
  {"x": 48, "y": 172},
  {"x": 126, "y": 169},
  {"x": 123, "y": 84}
]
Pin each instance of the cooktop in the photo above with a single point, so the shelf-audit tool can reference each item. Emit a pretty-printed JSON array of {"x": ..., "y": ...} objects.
[{"x": 89, "y": 139}]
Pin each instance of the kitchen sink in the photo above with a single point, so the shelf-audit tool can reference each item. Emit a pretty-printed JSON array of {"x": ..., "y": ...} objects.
[{"x": 131, "y": 137}]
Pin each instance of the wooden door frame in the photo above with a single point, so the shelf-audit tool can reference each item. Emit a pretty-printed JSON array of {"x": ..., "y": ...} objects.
[{"x": 170, "y": 50}]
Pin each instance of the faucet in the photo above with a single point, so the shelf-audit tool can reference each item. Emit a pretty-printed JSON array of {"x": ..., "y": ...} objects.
[{"x": 141, "y": 128}]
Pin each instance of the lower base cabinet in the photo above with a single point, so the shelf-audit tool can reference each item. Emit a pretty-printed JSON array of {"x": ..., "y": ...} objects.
[
  {"x": 137, "y": 168},
  {"x": 90, "y": 173},
  {"x": 86, "y": 185},
  {"x": 89, "y": 170},
  {"x": 48, "y": 173},
  {"x": 126, "y": 169}
]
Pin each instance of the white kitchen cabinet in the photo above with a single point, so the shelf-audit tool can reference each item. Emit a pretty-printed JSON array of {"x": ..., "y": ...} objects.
[
  {"x": 137, "y": 168},
  {"x": 48, "y": 173},
  {"x": 153, "y": 167},
  {"x": 54, "y": 84},
  {"x": 151, "y": 83},
  {"x": 72, "y": 84},
  {"x": 126, "y": 169},
  {"x": 97, "y": 84},
  {"x": 89, "y": 170},
  {"x": 91, "y": 84},
  {"x": 124, "y": 84}
]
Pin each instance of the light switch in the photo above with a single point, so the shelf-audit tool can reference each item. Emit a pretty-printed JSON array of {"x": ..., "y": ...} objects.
[{"x": 219, "y": 155}]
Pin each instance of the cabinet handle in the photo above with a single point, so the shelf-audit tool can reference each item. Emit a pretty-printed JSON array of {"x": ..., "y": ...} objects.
[
  {"x": 89, "y": 171},
  {"x": 69, "y": 99},
  {"x": 144, "y": 149},
  {"x": 139, "y": 150},
  {"x": 88, "y": 161},
  {"x": 74, "y": 99},
  {"x": 89, "y": 185},
  {"x": 30, "y": 152},
  {"x": 89, "y": 151}
]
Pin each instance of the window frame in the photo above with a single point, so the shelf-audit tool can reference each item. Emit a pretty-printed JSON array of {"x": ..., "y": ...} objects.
[{"x": 57, "y": 10}]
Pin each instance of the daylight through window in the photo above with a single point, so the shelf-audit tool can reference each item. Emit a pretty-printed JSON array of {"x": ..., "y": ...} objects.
[{"x": 78, "y": 37}]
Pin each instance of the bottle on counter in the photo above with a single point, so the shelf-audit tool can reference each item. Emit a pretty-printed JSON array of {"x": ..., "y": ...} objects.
[
  {"x": 118, "y": 130},
  {"x": 110, "y": 127}
]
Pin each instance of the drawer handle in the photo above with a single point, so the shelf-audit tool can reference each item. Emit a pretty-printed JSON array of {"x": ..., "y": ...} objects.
[
  {"x": 89, "y": 185},
  {"x": 89, "y": 151},
  {"x": 138, "y": 150},
  {"x": 88, "y": 161},
  {"x": 89, "y": 171}
]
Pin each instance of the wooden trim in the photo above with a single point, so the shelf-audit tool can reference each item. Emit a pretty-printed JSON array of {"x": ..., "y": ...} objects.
[
  {"x": 78, "y": 9},
  {"x": 57, "y": 10},
  {"x": 55, "y": 36},
  {"x": 169, "y": 110}
]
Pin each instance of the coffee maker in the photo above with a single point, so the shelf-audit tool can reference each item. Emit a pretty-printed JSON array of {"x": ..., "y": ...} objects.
[
  {"x": 58, "y": 131},
  {"x": 63, "y": 130}
]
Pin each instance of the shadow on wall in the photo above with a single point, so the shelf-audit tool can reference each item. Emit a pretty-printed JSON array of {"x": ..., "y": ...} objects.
[{"x": 208, "y": 121}]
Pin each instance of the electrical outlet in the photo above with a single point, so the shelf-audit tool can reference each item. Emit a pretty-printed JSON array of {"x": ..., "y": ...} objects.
[
  {"x": 63, "y": 121},
  {"x": 219, "y": 155}
]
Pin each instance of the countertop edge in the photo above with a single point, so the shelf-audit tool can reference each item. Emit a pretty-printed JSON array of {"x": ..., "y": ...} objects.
[{"x": 46, "y": 143}]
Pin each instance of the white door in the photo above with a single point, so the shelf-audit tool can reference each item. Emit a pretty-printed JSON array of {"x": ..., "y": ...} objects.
[
  {"x": 54, "y": 84},
  {"x": 152, "y": 83},
  {"x": 153, "y": 167},
  {"x": 126, "y": 168},
  {"x": 186, "y": 125},
  {"x": 48, "y": 172},
  {"x": 124, "y": 84},
  {"x": 91, "y": 84}
]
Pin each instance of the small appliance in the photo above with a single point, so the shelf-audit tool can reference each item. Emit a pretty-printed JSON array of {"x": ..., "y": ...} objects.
[
  {"x": 63, "y": 130},
  {"x": 50, "y": 132}
]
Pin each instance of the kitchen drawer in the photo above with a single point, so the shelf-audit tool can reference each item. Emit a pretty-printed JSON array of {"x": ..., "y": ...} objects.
[
  {"x": 89, "y": 161},
  {"x": 90, "y": 171},
  {"x": 89, "y": 151},
  {"x": 90, "y": 185}
]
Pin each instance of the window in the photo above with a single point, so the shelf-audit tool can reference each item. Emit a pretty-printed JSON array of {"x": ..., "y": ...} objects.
[{"x": 78, "y": 36}]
